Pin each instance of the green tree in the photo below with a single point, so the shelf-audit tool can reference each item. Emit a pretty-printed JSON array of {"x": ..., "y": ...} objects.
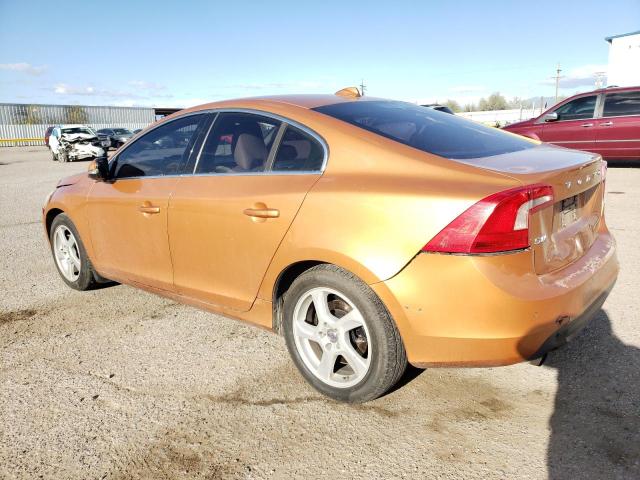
[
  {"x": 469, "y": 107},
  {"x": 453, "y": 105},
  {"x": 494, "y": 102}
]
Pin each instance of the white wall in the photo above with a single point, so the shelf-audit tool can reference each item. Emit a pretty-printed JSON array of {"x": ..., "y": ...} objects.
[
  {"x": 501, "y": 117},
  {"x": 624, "y": 61}
]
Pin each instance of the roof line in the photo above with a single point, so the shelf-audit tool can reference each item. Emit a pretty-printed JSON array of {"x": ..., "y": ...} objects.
[{"x": 608, "y": 39}]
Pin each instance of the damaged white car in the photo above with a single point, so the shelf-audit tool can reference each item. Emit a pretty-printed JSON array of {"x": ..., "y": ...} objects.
[{"x": 75, "y": 142}]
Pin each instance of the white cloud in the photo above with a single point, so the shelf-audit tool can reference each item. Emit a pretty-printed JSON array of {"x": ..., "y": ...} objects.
[
  {"x": 144, "y": 85},
  {"x": 24, "y": 68},
  {"x": 91, "y": 91}
]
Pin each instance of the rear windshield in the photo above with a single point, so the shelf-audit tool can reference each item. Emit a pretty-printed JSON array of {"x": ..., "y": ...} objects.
[{"x": 426, "y": 129}]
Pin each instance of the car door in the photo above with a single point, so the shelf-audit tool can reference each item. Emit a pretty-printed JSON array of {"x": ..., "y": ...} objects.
[
  {"x": 575, "y": 126},
  {"x": 128, "y": 215},
  {"x": 618, "y": 130},
  {"x": 228, "y": 218}
]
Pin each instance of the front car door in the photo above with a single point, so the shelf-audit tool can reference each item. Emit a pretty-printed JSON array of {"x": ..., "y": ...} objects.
[
  {"x": 619, "y": 126},
  {"x": 227, "y": 219},
  {"x": 128, "y": 215},
  {"x": 575, "y": 126}
]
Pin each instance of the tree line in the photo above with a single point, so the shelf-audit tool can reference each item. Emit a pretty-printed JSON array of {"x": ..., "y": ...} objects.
[{"x": 495, "y": 101}]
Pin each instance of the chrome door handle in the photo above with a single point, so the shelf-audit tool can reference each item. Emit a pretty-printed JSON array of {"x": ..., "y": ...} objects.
[
  {"x": 606, "y": 124},
  {"x": 587, "y": 125},
  {"x": 262, "y": 212},
  {"x": 147, "y": 208}
]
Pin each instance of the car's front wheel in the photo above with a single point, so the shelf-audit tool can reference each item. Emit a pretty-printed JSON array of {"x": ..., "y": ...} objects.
[
  {"x": 340, "y": 335},
  {"x": 54, "y": 157},
  {"x": 70, "y": 255}
]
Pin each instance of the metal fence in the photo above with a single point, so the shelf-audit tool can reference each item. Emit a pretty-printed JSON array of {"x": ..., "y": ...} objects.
[{"x": 25, "y": 124}]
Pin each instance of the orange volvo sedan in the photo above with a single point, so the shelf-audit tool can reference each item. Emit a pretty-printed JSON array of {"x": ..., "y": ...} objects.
[{"x": 369, "y": 232}]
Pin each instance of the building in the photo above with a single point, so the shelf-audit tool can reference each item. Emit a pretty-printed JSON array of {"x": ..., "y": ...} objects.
[
  {"x": 624, "y": 59},
  {"x": 25, "y": 124}
]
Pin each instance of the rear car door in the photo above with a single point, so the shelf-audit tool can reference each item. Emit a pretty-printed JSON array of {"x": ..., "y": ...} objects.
[
  {"x": 228, "y": 218},
  {"x": 575, "y": 126},
  {"x": 618, "y": 129},
  {"x": 128, "y": 215}
]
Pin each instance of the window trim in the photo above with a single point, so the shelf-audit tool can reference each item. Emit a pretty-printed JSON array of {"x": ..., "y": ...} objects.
[
  {"x": 604, "y": 100},
  {"x": 597, "y": 109},
  {"x": 276, "y": 144},
  {"x": 214, "y": 113},
  {"x": 114, "y": 159}
]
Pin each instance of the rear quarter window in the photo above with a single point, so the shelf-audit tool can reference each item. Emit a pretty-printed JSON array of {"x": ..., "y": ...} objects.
[{"x": 426, "y": 129}]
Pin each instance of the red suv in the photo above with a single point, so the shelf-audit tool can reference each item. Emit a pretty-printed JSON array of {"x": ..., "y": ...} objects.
[{"x": 605, "y": 121}]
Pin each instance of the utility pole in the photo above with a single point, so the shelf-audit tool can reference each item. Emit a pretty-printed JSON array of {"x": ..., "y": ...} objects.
[
  {"x": 557, "y": 77},
  {"x": 362, "y": 87}
]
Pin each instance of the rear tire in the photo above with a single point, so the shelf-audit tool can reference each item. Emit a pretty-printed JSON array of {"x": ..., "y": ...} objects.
[
  {"x": 70, "y": 256},
  {"x": 340, "y": 335}
]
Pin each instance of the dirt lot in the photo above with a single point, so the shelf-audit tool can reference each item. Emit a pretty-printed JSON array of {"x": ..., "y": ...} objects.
[{"x": 118, "y": 383}]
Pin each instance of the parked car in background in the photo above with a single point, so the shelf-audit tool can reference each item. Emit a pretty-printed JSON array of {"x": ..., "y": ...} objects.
[
  {"x": 47, "y": 134},
  {"x": 440, "y": 108},
  {"x": 605, "y": 121},
  {"x": 137, "y": 130},
  {"x": 353, "y": 226},
  {"x": 117, "y": 136},
  {"x": 75, "y": 142}
]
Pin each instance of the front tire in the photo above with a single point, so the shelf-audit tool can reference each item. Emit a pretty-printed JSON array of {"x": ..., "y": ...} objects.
[
  {"x": 340, "y": 335},
  {"x": 63, "y": 157},
  {"x": 70, "y": 256},
  {"x": 54, "y": 157}
]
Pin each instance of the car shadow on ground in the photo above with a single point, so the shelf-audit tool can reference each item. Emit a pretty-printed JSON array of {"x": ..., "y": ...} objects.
[{"x": 595, "y": 426}]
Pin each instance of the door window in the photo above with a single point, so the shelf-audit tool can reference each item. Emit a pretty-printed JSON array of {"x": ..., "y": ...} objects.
[
  {"x": 621, "y": 104},
  {"x": 298, "y": 151},
  {"x": 162, "y": 151},
  {"x": 238, "y": 143},
  {"x": 577, "y": 109}
]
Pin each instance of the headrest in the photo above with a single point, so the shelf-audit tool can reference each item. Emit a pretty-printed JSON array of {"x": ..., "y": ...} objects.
[{"x": 250, "y": 152}]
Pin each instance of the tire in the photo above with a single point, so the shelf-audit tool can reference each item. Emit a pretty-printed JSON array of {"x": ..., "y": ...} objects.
[
  {"x": 54, "y": 157},
  {"x": 82, "y": 276},
  {"x": 368, "y": 332},
  {"x": 62, "y": 157}
]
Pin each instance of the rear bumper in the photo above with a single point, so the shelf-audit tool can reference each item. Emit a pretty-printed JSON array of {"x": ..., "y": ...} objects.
[{"x": 494, "y": 310}]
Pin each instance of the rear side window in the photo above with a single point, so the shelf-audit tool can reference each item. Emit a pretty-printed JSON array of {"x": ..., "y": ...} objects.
[
  {"x": 238, "y": 143},
  {"x": 162, "y": 151},
  {"x": 578, "y": 109},
  {"x": 621, "y": 104},
  {"x": 426, "y": 129},
  {"x": 298, "y": 151}
]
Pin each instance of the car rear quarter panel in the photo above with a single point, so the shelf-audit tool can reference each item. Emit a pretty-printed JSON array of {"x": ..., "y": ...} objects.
[{"x": 377, "y": 204}]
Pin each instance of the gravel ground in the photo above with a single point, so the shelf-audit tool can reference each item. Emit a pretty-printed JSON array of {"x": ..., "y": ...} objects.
[{"x": 119, "y": 383}]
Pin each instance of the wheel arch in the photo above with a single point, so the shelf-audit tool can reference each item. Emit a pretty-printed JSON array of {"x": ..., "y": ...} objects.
[
  {"x": 283, "y": 281},
  {"x": 50, "y": 216}
]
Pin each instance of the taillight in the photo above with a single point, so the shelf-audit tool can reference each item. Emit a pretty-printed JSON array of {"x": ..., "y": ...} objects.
[{"x": 497, "y": 223}]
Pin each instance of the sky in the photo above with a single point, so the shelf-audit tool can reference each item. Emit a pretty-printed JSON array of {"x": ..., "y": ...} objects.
[{"x": 183, "y": 53}]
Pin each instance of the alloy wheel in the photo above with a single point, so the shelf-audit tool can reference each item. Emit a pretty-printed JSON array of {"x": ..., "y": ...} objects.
[{"x": 331, "y": 337}]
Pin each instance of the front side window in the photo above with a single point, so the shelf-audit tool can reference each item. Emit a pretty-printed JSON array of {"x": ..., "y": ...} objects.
[
  {"x": 298, "y": 151},
  {"x": 425, "y": 129},
  {"x": 621, "y": 104},
  {"x": 238, "y": 143},
  {"x": 162, "y": 151},
  {"x": 577, "y": 109}
]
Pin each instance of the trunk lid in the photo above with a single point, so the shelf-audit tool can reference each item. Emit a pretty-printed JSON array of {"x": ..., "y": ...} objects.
[{"x": 560, "y": 234}]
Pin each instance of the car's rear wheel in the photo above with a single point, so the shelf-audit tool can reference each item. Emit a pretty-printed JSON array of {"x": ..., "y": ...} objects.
[
  {"x": 70, "y": 255},
  {"x": 340, "y": 335}
]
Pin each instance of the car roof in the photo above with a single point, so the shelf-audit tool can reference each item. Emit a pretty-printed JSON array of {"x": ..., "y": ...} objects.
[
  {"x": 73, "y": 125},
  {"x": 307, "y": 101}
]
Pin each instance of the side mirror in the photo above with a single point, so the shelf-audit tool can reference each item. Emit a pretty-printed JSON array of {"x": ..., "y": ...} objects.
[
  {"x": 99, "y": 169},
  {"x": 550, "y": 117}
]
